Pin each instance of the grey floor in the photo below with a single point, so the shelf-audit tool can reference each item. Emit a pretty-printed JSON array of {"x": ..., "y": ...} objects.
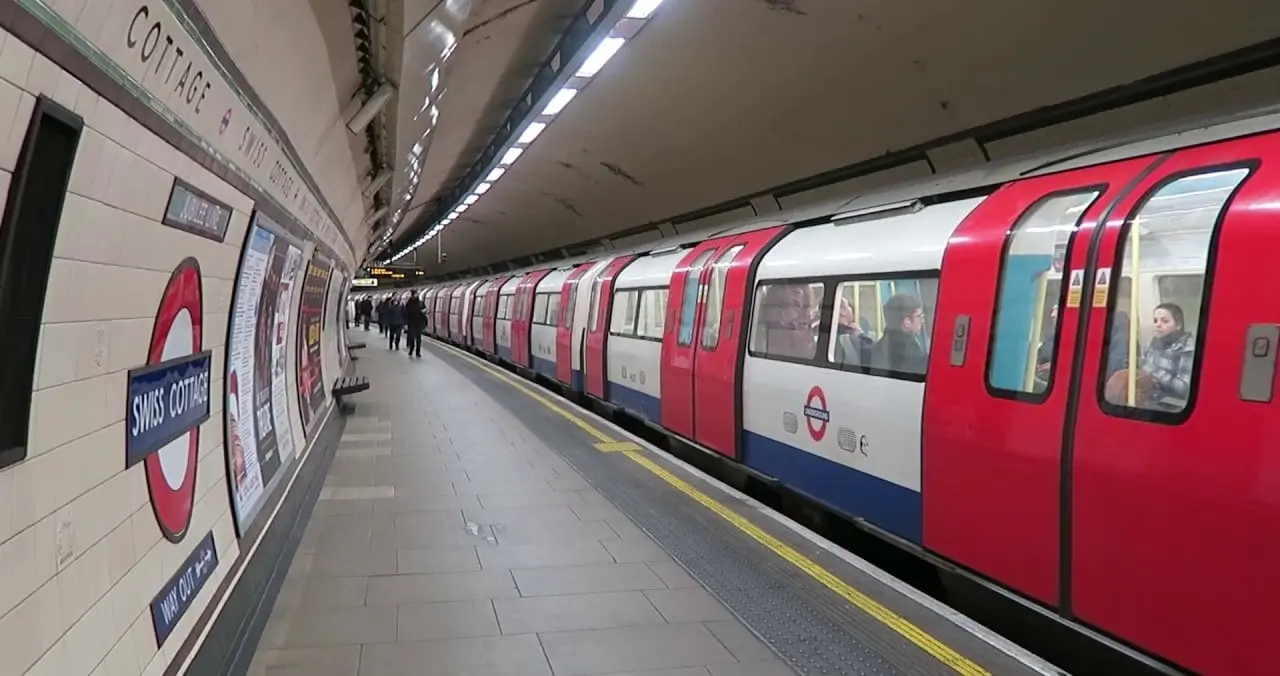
[{"x": 449, "y": 540}]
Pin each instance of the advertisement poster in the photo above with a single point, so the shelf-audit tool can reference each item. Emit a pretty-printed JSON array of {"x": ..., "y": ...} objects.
[
  {"x": 311, "y": 381},
  {"x": 282, "y": 320},
  {"x": 259, "y": 438}
]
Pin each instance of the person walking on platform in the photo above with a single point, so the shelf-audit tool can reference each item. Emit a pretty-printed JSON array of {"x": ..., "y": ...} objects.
[
  {"x": 381, "y": 311},
  {"x": 395, "y": 323},
  {"x": 365, "y": 310},
  {"x": 415, "y": 322}
]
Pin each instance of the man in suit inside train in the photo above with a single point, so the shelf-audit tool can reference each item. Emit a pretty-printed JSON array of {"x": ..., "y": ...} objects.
[{"x": 899, "y": 349}]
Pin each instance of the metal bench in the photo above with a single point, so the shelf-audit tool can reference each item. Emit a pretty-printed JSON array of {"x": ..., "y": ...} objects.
[{"x": 344, "y": 386}]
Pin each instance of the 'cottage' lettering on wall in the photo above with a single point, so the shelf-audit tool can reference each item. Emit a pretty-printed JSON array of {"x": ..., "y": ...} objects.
[{"x": 145, "y": 37}]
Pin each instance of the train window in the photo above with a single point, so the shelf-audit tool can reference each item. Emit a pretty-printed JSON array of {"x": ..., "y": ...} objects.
[
  {"x": 623, "y": 322},
  {"x": 1029, "y": 296},
  {"x": 540, "y": 308},
  {"x": 504, "y": 307},
  {"x": 553, "y": 308},
  {"x": 1152, "y": 329},
  {"x": 573, "y": 299},
  {"x": 786, "y": 316},
  {"x": 689, "y": 298},
  {"x": 715, "y": 298},
  {"x": 653, "y": 313},
  {"x": 881, "y": 326},
  {"x": 594, "y": 306}
]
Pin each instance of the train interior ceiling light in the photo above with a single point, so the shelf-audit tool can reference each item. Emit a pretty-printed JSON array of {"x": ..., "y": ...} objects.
[{"x": 610, "y": 45}]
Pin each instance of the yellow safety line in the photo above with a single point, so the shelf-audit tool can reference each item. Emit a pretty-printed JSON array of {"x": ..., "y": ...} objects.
[{"x": 939, "y": 650}]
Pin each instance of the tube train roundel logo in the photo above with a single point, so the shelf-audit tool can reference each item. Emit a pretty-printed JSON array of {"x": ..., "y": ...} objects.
[
  {"x": 816, "y": 414},
  {"x": 169, "y": 400}
]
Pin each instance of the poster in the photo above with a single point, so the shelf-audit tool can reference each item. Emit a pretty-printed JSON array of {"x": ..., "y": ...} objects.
[
  {"x": 312, "y": 394},
  {"x": 340, "y": 293},
  {"x": 259, "y": 437}
]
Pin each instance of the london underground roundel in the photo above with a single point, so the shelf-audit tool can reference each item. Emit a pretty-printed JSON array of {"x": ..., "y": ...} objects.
[
  {"x": 178, "y": 332},
  {"x": 816, "y": 414}
]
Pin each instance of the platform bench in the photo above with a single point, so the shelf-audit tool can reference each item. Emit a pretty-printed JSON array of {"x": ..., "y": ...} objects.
[{"x": 344, "y": 386}]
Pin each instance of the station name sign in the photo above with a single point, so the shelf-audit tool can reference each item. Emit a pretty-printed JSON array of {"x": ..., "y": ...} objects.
[
  {"x": 166, "y": 401},
  {"x": 364, "y": 281},
  {"x": 196, "y": 212},
  {"x": 175, "y": 598}
]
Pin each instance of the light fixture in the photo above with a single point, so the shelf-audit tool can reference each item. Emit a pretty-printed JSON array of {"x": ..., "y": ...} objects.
[
  {"x": 371, "y": 108},
  {"x": 559, "y": 101},
  {"x": 470, "y": 199},
  {"x": 495, "y": 174},
  {"x": 603, "y": 52},
  {"x": 642, "y": 9},
  {"x": 483, "y": 188},
  {"x": 531, "y": 132},
  {"x": 510, "y": 156}
]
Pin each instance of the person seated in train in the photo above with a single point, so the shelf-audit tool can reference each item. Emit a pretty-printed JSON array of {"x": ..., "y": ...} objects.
[
  {"x": 1163, "y": 380},
  {"x": 785, "y": 320},
  {"x": 853, "y": 345},
  {"x": 900, "y": 348}
]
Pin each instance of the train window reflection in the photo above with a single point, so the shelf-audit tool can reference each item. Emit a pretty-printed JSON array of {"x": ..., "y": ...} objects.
[
  {"x": 786, "y": 318},
  {"x": 594, "y": 321},
  {"x": 689, "y": 298},
  {"x": 715, "y": 298},
  {"x": 540, "y": 308},
  {"x": 504, "y": 306},
  {"x": 1153, "y": 328},
  {"x": 623, "y": 321},
  {"x": 553, "y": 308},
  {"x": 1029, "y": 295},
  {"x": 653, "y": 313}
]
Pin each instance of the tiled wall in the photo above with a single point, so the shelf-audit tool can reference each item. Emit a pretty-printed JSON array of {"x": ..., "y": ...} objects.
[{"x": 87, "y": 611}]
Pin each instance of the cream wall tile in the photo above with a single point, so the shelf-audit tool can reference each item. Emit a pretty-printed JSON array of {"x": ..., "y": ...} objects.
[
  {"x": 43, "y": 78},
  {"x": 15, "y": 61},
  {"x": 81, "y": 291},
  {"x": 67, "y": 412},
  {"x": 16, "y": 132}
]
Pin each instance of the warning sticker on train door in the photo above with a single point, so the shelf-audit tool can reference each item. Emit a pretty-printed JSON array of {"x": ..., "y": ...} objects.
[
  {"x": 1101, "y": 285},
  {"x": 1075, "y": 288}
]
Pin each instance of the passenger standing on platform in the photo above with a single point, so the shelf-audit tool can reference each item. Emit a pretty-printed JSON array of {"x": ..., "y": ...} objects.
[
  {"x": 415, "y": 320},
  {"x": 395, "y": 323},
  {"x": 381, "y": 311},
  {"x": 365, "y": 309}
]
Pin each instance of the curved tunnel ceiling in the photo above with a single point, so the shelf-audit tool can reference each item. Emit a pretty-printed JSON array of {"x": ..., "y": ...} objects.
[
  {"x": 722, "y": 98},
  {"x": 464, "y": 63}
]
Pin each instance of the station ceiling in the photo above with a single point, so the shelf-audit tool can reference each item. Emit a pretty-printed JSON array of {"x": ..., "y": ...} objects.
[{"x": 716, "y": 101}]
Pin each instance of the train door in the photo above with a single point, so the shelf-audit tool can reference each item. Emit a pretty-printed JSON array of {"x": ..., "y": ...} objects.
[
  {"x": 598, "y": 326},
  {"x": 488, "y": 344},
  {"x": 564, "y": 331},
  {"x": 1174, "y": 471},
  {"x": 716, "y": 377},
  {"x": 522, "y": 322},
  {"x": 678, "y": 347},
  {"x": 994, "y": 411}
]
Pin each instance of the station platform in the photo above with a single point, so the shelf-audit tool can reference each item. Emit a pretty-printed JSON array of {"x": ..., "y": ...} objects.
[{"x": 475, "y": 524}]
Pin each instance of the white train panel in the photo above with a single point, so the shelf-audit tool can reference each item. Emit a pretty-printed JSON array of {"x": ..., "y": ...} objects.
[
  {"x": 635, "y": 375},
  {"x": 477, "y": 317},
  {"x": 648, "y": 271},
  {"x": 865, "y": 248},
  {"x": 810, "y": 427}
]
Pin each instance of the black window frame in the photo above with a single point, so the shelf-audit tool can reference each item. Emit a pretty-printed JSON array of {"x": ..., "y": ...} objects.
[
  {"x": 826, "y": 310},
  {"x": 1018, "y": 395},
  {"x": 1170, "y": 418}
]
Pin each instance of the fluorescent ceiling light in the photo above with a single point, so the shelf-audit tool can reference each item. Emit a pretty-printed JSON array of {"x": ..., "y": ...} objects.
[
  {"x": 510, "y": 156},
  {"x": 483, "y": 188},
  {"x": 471, "y": 199},
  {"x": 495, "y": 174},
  {"x": 462, "y": 207},
  {"x": 531, "y": 132},
  {"x": 559, "y": 101},
  {"x": 642, "y": 9},
  {"x": 603, "y": 52}
]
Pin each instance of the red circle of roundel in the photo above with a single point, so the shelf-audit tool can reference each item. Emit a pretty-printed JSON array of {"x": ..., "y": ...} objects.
[
  {"x": 182, "y": 302},
  {"x": 814, "y": 405}
]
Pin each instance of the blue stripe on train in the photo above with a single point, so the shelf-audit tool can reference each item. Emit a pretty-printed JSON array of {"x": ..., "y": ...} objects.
[
  {"x": 546, "y": 367},
  {"x": 644, "y": 405},
  {"x": 842, "y": 488}
]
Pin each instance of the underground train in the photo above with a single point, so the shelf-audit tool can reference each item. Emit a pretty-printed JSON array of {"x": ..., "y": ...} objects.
[{"x": 1056, "y": 374}]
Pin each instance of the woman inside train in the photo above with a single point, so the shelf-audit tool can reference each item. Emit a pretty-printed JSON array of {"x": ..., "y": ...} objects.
[{"x": 1163, "y": 380}]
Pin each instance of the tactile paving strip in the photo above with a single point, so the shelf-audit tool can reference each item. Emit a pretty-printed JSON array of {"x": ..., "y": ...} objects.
[{"x": 810, "y": 627}]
